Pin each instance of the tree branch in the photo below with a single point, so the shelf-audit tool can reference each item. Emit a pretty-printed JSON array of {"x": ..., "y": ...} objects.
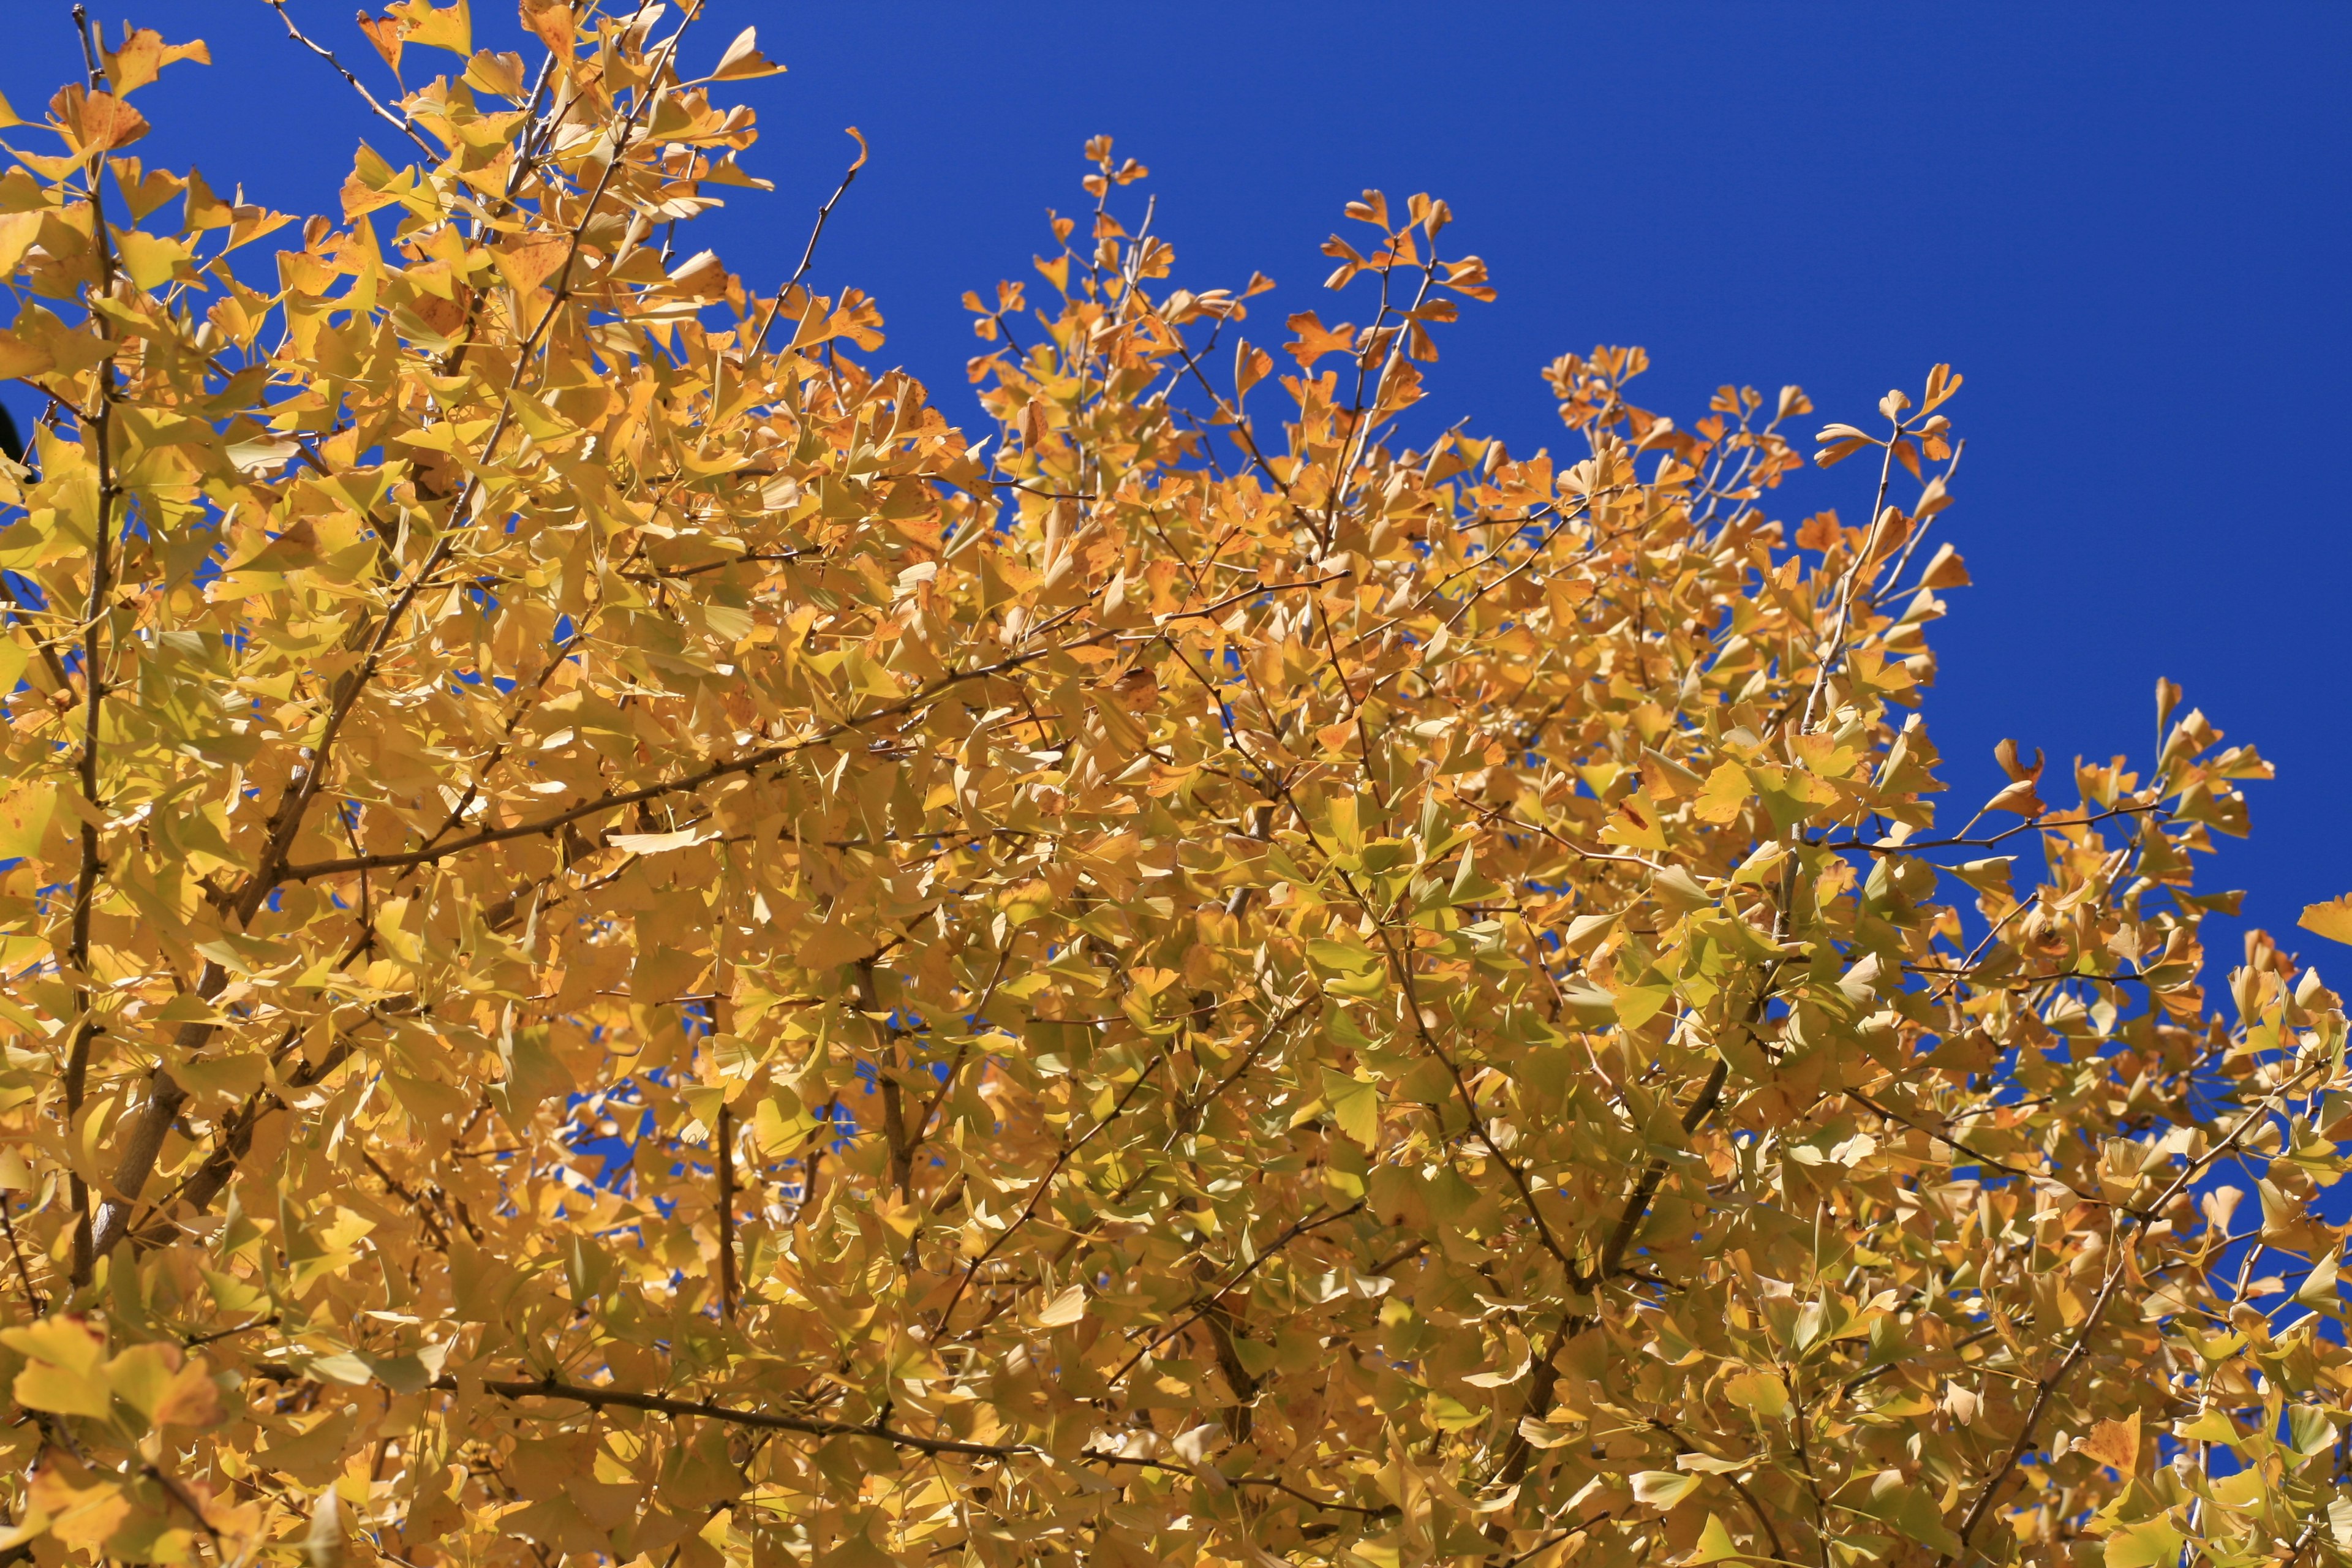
[
  {"x": 748, "y": 762},
  {"x": 93, "y": 676},
  {"x": 400, "y": 122},
  {"x": 2049, "y": 1385}
]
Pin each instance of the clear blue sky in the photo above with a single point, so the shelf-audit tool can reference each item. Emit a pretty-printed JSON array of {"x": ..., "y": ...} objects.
[{"x": 2126, "y": 224}]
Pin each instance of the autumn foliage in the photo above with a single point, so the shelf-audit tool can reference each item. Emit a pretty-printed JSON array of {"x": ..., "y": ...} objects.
[{"x": 624, "y": 944}]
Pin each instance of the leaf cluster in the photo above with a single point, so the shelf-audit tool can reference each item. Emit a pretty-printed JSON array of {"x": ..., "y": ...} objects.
[{"x": 623, "y": 945}]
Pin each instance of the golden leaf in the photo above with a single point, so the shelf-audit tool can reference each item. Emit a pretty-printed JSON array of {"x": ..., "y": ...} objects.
[{"x": 2332, "y": 920}]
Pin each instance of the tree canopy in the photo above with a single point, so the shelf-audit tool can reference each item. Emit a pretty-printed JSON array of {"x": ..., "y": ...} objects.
[{"x": 624, "y": 944}]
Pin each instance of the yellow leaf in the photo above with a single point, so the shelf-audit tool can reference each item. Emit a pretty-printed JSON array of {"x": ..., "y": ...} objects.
[
  {"x": 1355, "y": 1106},
  {"x": 143, "y": 55},
  {"x": 2332, "y": 920},
  {"x": 1662, "y": 1490},
  {"x": 164, "y": 1385},
  {"x": 1726, "y": 795},
  {"x": 2152, "y": 1543},
  {"x": 1762, "y": 1391},
  {"x": 1715, "y": 1544},
  {"x": 2115, "y": 1443},
  {"x": 858, "y": 1551},
  {"x": 525, "y": 267},
  {"x": 499, "y": 72},
  {"x": 450, "y": 28},
  {"x": 77, "y": 1515},
  {"x": 1068, "y": 1307},
  {"x": 17, "y": 232},
  {"x": 657, "y": 843},
  {"x": 552, "y": 22},
  {"x": 46, "y": 1386},
  {"x": 25, "y": 815},
  {"x": 2318, "y": 1288},
  {"x": 1637, "y": 1004},
  {"x": 19, "y": 359},
  {"x": 742, "y": 61},
  {"x": 149, "y": 258},
  {"x": 97, "y": 122},
  {"x": 322, "y": 1543},
  {"x": 829, "y": 944},
  {"x": 1636, "y": 824}
]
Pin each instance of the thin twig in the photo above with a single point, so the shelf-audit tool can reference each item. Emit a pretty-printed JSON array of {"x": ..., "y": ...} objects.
[
  {"x": 808, "y": 255},
  {"x": 400, "y": 122}
]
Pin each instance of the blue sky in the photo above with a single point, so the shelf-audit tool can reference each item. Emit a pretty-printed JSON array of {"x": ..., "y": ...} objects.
[{"x": 2126, "y": 224}]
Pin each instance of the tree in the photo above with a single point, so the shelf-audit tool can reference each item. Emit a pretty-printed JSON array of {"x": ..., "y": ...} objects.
[{"x": 622, "y": 944}]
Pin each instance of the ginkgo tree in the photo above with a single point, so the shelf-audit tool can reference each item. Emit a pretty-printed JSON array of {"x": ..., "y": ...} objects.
[{"x": 623, "y": 944}]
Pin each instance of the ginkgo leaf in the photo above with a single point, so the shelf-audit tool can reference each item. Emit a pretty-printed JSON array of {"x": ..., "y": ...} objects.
[
  {"x": 1068, "y": 1305},
  {"x": 1662, "y": 1489},
  {"x": 2332, "y": 920},
  {"x": 43, "y": 1386},
  {"x": 25, "y": 814},
  {"x": 1355, "y": 1107},
  {"x": 2115, "y": 1443},
  {"x": 77, "y": 1509},
  {"x": 143, "y": 1373},
  {"x": 2148, "y": 1543},
  {"x": 1715, "y": 1544},
  {"x": 2318, "y": 1288},
  {"x": 450, "y": 27},
  {"x": 743, "y": 59},
  {"x": 1762, "y": 1391}
]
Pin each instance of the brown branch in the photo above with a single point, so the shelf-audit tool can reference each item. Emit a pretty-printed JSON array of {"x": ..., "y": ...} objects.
[
  {"x": 1208, "y": 1300},
  {"x": 288, "y": 821},
  {"x": 399, "y": 123},
  {"x": 1541, "y": 1382},
  {"x": 35, "y": 1302},
  {"x": 196, "y": 1342},
  {"x": 597, "y": 1398},
  {"x": 1044, "y": 1185},
  {"x": 727, "y": 1289},
  {"x": 2047, "y": 1387},
  {"x": 899, "y": 1143},
  {"x": 1534, "y": 554},
  {"x": 1763, "y": 1520},
  {"x": 1240, "y": 421},
  {"x": 144, "y": 1139},
  {"x": 672, "y": 574},
  {"x": 235, "y": 1138},
  {"x": 1827, "y": 660},
  {"x": 748, "y": 762},
  {"x": 808, "y": 255},
  {"x": 1250, "y": 592},
  {"x": 1864, "y": 1379},
  {"x": 760, "y": 1420},
  {"x": 1362, "y": 421},
  {"x": 1637, "y": 1207},
  {"x": 423, "y": 1213},
  {"x": 1401, "y": 967},
  {"x": 1982, "y": 1158},
  {"x": 2040, "y": 820},
  {"x": 93, "y": 676}
]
